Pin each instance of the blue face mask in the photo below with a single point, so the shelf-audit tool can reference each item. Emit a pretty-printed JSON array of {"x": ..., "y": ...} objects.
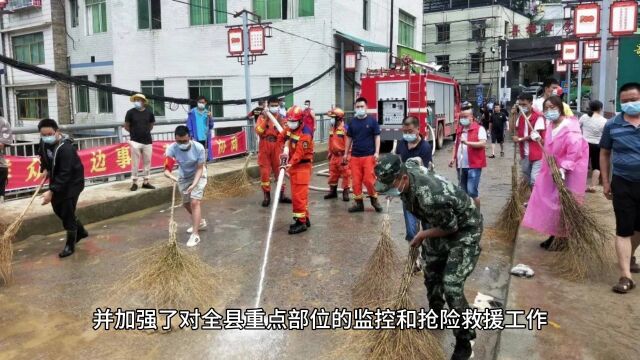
[
  {"x": 552, "y": 115},
  {"x": 410, "y": 137},
  {"x": 631, "y": 108},
  {"x": 361, "y": 113},
  {"x": 465, "y": 121},
  {"x": 49, "y": 139},
  {"x": 184, "y": 147}
]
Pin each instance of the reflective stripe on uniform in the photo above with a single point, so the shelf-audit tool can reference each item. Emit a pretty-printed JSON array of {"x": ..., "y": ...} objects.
[
  {"x": 358, "y": 197},
  {"x": 299, "y": 215},
  {"x": 265, "y": 183},
  {"x": 259, "y": 129}
]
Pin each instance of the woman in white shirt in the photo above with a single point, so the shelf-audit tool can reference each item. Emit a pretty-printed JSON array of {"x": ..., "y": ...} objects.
[{"x": 592, "y": 124}]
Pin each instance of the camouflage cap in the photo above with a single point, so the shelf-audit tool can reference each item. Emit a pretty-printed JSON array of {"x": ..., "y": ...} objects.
[{"x": 387, "y": 169}]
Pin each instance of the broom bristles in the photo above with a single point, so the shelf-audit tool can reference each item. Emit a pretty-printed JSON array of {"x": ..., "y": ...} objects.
[
  {"x": 395, "y": 344},
  {"x": 511, "y": 214},
  {"x": 586, "y": 252},
  {"x": 234, "y": 185},
  {"x": 373, "y": 287}
]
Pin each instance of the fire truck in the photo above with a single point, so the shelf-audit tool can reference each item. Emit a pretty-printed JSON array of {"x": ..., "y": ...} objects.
[{"x": 412, "y": 89}]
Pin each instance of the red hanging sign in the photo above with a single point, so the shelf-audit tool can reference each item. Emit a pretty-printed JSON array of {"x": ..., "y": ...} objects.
[
  {"x": 569, "y": 51},
  {"x": 350, "y": 61},
  {"x": 623, "y": 19},
  {"x": 561, "y": 67},
  {"x": 591, "y": 51},
  {"x": 587, "y": 20},
  {"x": 256, "y": 39},
  {"x": 235, "y": 41}
]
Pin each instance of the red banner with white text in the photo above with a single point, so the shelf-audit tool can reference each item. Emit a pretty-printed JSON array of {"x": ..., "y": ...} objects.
[{"x": 24, "y": 171}]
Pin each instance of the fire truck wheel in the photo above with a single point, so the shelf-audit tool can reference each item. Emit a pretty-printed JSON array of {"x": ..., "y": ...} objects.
[{"x": 440, "y": 136}]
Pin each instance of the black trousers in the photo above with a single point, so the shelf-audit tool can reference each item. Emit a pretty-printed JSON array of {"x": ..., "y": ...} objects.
[
  {"x": 65, "y": 209},
  {"x": 4, "y": 178}
]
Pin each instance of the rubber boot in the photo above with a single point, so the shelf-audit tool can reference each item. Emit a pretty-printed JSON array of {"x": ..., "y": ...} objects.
[
  {"x": 308, "y": 223},
  {"x": 267, "y": 199},
  {"x": 333, "y": 193},
  {"x": 376, "y": 204},
  {"x": 284, "y": 199},
  {"x": 297, "y": 227},
  {"x": 70, "y": 246},
  {"x": 345, "y": 195},
  {"x": 82, "y": 232},
  {"x": 462, "y": 351},
  {"x": 357, "y": 207}
]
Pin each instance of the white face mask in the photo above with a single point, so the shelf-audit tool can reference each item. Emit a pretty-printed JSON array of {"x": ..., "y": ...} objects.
[
  {"x": 307, "y": 106},
  {"x": 201, "y": 106},
  {"x": 333, "y": 122},
  {"x": 273, "y": 109},
  {"x": 293, "y": 124},
  {"x": 137, "y": 104}
]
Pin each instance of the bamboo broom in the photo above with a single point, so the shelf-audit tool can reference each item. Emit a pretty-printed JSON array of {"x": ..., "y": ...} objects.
[
  {"x": 6, "y": 244},
  {"x": 166, "y": 277},
  {"x": 585, "y": 252},
  {"x": 512, "y": 212},
  {"x": 235, "y": 185}
]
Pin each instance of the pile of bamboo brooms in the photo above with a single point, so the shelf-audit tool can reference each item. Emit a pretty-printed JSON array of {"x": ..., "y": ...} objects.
[
  {"x": 375, "y": 288},
  {"x": 584, "y": 251}
]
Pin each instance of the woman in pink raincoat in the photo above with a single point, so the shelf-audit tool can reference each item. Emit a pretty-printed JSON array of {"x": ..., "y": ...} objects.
[{"x": 563, "y": 140}]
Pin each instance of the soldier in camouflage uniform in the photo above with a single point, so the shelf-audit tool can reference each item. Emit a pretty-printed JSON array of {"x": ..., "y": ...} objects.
[{"x": 452, "y": 247}]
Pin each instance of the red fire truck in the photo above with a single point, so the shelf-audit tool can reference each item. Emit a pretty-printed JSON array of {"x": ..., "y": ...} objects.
[{"x": 393, "y": 94}]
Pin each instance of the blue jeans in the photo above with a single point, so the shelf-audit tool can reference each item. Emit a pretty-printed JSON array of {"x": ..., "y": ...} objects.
[
  {"x": 469, "y": 180},
  {"x": 411, "y": 224}
]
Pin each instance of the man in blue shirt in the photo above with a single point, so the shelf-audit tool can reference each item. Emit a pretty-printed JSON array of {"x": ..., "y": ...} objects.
[
  {"x": 621, "y": 137},
  {"x": 413, "y": 145},
  {"x": 192, "y": 177},
  {"x": 200, "y": 124},
  {"x": 363, "y": 142}
]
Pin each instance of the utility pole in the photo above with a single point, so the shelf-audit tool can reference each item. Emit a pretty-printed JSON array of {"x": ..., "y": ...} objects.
[
  {"x": 391, "y": 37},
  {"x": 604, "y": 33},
  {"x": 505, "y": 70},
  {"x": 342, "y": 74},
  {"x": 245, "y": 58},
  {"x": 579, "y": 90}
]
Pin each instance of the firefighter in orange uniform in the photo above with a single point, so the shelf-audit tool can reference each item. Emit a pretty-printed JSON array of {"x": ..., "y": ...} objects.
[
  {"x": 298, "y": 152},
  {"x": 337, "y": 168},
  {"x": 269, "y": 151}
]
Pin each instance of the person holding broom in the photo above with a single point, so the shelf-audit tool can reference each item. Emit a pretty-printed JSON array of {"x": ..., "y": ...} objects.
[
  {"x": 563, "y": 140},
  {"x": 529, "y": 129},
  {"x": 60, "y": 163},
  {"x": 337, "y": 168},
  {"x": 451, "y": 245}
]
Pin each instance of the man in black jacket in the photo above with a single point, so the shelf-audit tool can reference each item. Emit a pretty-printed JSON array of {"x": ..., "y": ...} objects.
[{"x": 60, "y": 163}]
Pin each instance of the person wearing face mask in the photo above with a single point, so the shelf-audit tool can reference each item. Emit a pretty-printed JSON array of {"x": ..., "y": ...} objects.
[
  {"x": 337, "y": 144},
  {"x": 299, "y": 157},
  {"x": 563, "y": 140},
  {"x": 191, "y": 158},
  {"x": 620, "y": 148},
  {"x": 363, "y": 143},
  {"x": 269, "y": 150},
  {"x": 412, "y": 145},
  {"x": 60, "y": 163},
  {"x": 309, "y": 116},
  {"x": 551, "y": 87},
  {"x": 451, "y": 244},
  {"x": 200, "y": 124},
  {"x": 529, "y": 129},
  {"x": 139, "y": 123},
  {"x": 282, "y": 107},
  {"x": 469, "y": 154}
]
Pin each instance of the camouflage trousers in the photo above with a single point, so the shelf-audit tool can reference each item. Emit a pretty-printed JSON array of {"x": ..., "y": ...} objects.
[{"x": 448, "y": 263}]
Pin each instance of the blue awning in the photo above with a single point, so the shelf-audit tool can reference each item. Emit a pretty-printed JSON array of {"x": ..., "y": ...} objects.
[{"x": 367, "y": 45}]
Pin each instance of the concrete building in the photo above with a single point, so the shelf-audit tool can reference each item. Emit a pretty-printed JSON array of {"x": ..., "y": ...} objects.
[
  {"x": 34, "y": 32},
  {"x": 464, "y": 38},
  {"x": 179, "y": 49}
]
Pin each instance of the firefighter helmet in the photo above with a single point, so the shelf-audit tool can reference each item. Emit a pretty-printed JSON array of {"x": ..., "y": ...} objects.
[
  {"x": 336, "y": 113},
  {"x": 295, "y": 113}
]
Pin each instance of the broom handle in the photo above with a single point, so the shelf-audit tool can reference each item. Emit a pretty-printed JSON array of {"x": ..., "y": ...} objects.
[
  {"x": 172, "y": 237},
  {"x": 33, "y": 197}
]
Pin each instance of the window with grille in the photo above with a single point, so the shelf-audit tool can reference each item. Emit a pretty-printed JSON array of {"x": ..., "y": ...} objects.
[
  {"x": 96, "y": 16},
  {"x": 149, "y": 14},
  {"x": 279, "y": 85},
  {"x": 105, "y": 98},
  {"x": 32, "y": 104},
  {"x": 478, "y": 28},
  {"x": 406, "y": 29},
  {"x": 443, "y": 32},
  {"x": 82, "y": 96},
  {"x": 476, "y": 62},
  {"x": 73, "y": 12},
  {"x": 443, "y": 60},
  {"x": 205, "y": 12},
  {"x": 29, "y": 48},
  {"x": 210, "y": 89},
  {"x": 154, "y": 87}
]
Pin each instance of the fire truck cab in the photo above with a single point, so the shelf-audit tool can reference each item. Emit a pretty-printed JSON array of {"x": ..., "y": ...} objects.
[{"x": 393, "y": 94}]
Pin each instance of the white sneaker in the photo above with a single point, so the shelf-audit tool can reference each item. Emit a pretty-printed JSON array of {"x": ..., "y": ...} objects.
[
  {"x": 193, "y": 240},
  {"x": 203, "y": 226}
]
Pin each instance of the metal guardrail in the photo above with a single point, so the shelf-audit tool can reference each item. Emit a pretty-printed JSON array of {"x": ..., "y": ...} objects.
[{"x": 117, "y": 136}]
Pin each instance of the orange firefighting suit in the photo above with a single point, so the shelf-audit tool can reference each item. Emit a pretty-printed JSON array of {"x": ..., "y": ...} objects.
[
  {"x": 269, "y": 150},
  {"x": 363, "y": 172},
  {"x": 337, "y": 169},
  {"x": 301, "y": 161}
]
